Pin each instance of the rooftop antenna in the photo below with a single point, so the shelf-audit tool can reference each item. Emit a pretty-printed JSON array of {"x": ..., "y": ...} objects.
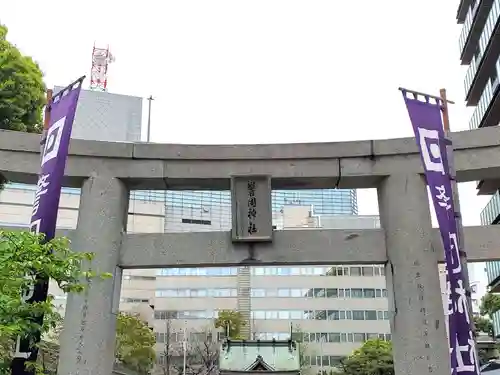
[{"x": 101, "y": 58}]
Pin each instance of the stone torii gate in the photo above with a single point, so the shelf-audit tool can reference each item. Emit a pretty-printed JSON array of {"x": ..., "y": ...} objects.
[{"x": 406, "y": 244}]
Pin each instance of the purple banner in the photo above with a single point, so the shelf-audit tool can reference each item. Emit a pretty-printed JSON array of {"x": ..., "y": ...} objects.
[
  {"x": 425, "y": 117},
  {"x": 46, "y": 203}
]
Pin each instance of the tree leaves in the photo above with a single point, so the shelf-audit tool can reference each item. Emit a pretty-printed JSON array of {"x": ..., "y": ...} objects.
[
  {"x": 490, "y": 304},
  {"x": 304, "y": 349},
  {"x": 373, "y": 358},
  {"x": 3, "y": 181},
  {"x": 132, "y": 333},
  {"x": 134, "y": 343},
  {"x": 22, "y": 91},
  {"x": 202, "y": 352},
  {"x": 23, "y": 255},
  {"x": 234, "y": 320},
  {"x": 483, "y": 324}
]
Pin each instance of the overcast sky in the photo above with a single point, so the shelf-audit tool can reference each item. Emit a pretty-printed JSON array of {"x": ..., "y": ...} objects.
[{"x": 259, "y": 71}]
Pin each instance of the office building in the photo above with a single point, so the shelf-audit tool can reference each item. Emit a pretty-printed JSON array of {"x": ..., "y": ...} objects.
[
  {"x": 335, "y": 307},
  {"x": 103, "y": 116},
  {"x": 491, "y": 215},
  {"x": 479, "y": 48},
  {"x": 211, "y": 210}
]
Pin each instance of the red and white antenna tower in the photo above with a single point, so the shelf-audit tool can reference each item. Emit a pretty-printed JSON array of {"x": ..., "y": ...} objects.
[{"x": 101, "y": 57}]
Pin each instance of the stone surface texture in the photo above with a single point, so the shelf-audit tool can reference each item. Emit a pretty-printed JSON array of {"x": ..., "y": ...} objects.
[{"x": 406, "y": 243}]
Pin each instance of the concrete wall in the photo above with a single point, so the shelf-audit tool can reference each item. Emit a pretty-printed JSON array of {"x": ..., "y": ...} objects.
[{"x": 144, "y": 166}]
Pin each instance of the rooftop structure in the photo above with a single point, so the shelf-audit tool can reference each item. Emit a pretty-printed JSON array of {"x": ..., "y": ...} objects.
[{"x": 259, "y": 356}]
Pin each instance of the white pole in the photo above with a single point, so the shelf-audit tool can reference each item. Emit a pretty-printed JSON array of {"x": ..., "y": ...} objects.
[
  {"x": 184, "y": 347},
  {"x": 321, "y": 353},
  {"x": 148, "y": 131}
]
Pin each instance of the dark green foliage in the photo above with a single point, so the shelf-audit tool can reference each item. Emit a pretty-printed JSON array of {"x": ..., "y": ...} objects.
[
  {"x": 373, "y": 358},
  {"x": 22, "y": 251},
  {"x": 3, "y": 181},
  {"x": 483, "y": 324},
  {"x": 490, "y": 304},
  {"x": 22, "y": 91}
]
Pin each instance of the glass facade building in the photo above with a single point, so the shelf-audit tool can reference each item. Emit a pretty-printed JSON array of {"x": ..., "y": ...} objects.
[
  {"x": 211, "y": 210},
  {"x": 491, "y": 215},
  {"x": 324, "y": 201},
  {"x": 479, "y": 47},
  {"x": 206, "y": 210}
]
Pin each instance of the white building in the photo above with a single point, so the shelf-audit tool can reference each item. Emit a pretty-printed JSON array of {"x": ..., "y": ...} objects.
[
  {"x": 337, "y": 306},
  {"x": 103, "y": 116}
]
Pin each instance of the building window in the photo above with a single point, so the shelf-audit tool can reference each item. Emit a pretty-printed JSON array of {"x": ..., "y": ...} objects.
[
  {"x": 333, "y": 315},
  {"x": 146, "y": 278},
  {"x": 334, "y": 337},
  {"x": 283, "y": 292},
  {"x": 368, "y": 271},
  {"x": 332, "y": 293},
  {"x": 357, "y": 293},
  {"x": 327, "y": 271},
  {"x": 369, "y": 293},
  {"x": 135, "y": 300},
  {"x": 215, "y": 271},
  {"x": 358, "y": 315},
  {"x": 300, "y": 315},
  {"x": 359, "y": 337},
  {"x": 356, "y": 271},
  {"x": 196, "y": 221},
  {"x": 319, "y": 292}
]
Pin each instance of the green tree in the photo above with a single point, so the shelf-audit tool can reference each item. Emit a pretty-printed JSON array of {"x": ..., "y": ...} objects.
[
  {"x": 304, "y": 349},
  {"x": 232, "y": 319},
  {"x": 3, "y": 180},
  {"x": 22, "y": 91},
  {"x": 24, "y": 251},
  {"x": 490, "y": 304},
  {"x": 483, "y": 324},
  {"x": 373, "y": 358},
  {"x": 135, "y": 343},
  {"x": 48, "y": 349},
  {"x": 134, "y": 346}
]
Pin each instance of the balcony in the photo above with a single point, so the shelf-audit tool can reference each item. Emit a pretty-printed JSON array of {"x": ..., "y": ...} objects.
[
  {"x": 472, "y": 28},
  {"x": 486, "y": 56},
  {"x": 487, "y": 112},
  {"x": 462, "y": 10},
  {"x": 491, "y": 213},
  {"x": 492, "y": 271}
]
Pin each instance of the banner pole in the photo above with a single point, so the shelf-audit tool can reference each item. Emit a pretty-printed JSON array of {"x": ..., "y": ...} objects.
[
  {"x": 431, "y": 124},
  {"x": 46, "y": 122},
  {"x": 46, "y": 119},
  {"x": 456, "y": 203},
  {"x": 60, "y": 107}
]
